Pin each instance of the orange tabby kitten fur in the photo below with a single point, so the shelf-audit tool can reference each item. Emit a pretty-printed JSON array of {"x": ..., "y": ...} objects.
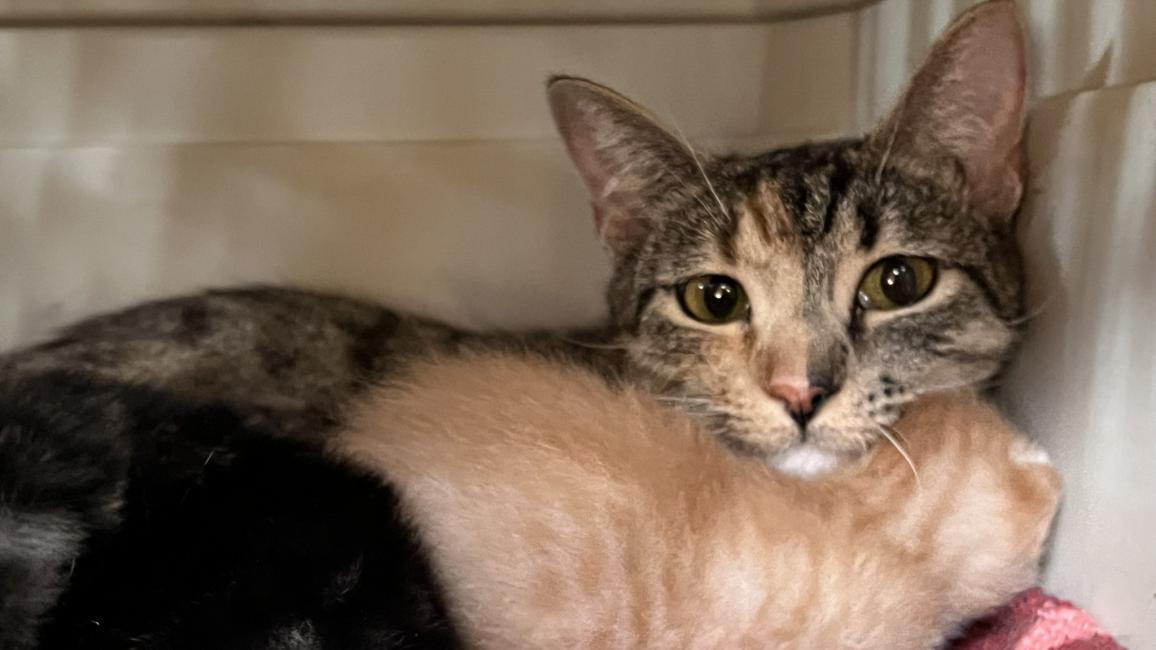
[{"x": 562, "y": 512}]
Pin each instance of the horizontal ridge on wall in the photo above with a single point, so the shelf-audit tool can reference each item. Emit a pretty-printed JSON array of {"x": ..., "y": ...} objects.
[
  {"x": 221, "y": 12},
  {"x": 108, "y": 86}
]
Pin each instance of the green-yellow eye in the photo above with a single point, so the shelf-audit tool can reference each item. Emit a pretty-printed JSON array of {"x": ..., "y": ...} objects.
[
  {"x": 714, "y": 299},
  {"x": 897, "y": 281}
]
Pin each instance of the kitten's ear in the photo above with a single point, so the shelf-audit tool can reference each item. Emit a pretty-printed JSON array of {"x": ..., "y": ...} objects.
[
  {"x": 624, "y": 155},
  {"x": 967, "y": 104}
]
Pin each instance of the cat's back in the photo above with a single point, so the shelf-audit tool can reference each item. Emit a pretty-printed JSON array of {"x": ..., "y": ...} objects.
[
  {"x": 290, "y": 357},
  {"x": 158, "y": 339}
]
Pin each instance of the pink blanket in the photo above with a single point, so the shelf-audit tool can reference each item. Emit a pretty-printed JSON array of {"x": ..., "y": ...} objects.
[{"x": 1037, "y": 621}]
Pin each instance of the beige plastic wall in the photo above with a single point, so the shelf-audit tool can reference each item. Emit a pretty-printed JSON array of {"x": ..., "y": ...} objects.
[
  {"x": 416, "y": 165},
  {"x": 148, "y": 148}
]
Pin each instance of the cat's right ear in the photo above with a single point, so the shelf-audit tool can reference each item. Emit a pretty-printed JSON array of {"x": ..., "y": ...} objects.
[{"x": 625, "y": 156}]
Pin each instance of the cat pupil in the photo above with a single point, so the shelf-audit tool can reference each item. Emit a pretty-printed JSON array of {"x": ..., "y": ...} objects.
[
  {"x": 720, "y": 297},
  {"x": 899, "y": 282}
]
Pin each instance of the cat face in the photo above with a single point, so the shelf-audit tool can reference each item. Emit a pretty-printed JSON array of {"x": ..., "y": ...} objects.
[
  {"x": 863, "y": 290},
  {"x": 798, "y": 299}
]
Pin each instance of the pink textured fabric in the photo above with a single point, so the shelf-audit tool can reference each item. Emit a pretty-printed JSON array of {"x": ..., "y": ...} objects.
[{"x": 1037, "y": 621}]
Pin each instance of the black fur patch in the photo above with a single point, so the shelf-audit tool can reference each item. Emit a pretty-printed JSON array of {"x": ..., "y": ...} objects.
[{"x": 213, "y": 535}]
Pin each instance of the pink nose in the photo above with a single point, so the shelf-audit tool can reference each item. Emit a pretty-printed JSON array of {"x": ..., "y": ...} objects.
[{"x": 800, "y": 398}]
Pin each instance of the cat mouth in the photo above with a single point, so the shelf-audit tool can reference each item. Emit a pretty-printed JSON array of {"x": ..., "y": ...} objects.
[{"x": 815, "y": 450}]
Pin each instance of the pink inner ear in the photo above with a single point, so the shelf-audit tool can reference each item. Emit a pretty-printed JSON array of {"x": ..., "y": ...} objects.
[
  {"x": 997, "y": 187},
  {"x": 991, "y": 89},
  {"x": 577, "y": 123},
  {"x": 621, "y": 152}
]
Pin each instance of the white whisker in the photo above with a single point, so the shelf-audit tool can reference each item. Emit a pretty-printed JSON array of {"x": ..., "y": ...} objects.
[
  {"x": 978, "y": 386},
  {"x": 1034, "y": 313},
  {"x": 684, "y": 400},
  {"x": 686, "y": 185},
  {"x": 719, "y": 432},
  {"x": 704, "y": 204},
  {"x": 898, "y": 436},
  {"x": 890, "y": 145},
  {"x": 849, "y": 345},
  {"x": 595, "y": 346},
  {"x": 892, "y": 437},
  {"x": 701, "y": 169}
]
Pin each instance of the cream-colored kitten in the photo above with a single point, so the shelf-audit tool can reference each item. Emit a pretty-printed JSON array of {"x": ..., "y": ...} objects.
[{"x": 563, "y": 512}]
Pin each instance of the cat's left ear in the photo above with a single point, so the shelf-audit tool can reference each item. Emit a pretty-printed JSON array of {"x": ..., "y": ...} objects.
[
  {"x": 626, "y": 158},
  {"x": 966, "y": 106}
]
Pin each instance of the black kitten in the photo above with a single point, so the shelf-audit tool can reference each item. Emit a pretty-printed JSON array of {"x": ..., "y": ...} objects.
[{"x": 202, "y": 532}]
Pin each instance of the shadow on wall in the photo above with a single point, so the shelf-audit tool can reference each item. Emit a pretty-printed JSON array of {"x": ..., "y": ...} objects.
[
  {"x": 1044, "y": 136},
  {"x": 1085, "y": 381},
  {"x": 1074, "y": 37}
]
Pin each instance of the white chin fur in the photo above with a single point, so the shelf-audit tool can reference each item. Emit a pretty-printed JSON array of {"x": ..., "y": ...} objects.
[{"x": 805, "y": 461}]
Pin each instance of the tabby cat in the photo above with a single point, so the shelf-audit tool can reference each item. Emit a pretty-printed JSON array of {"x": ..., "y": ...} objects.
[{"x": 792, "y": 302}]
